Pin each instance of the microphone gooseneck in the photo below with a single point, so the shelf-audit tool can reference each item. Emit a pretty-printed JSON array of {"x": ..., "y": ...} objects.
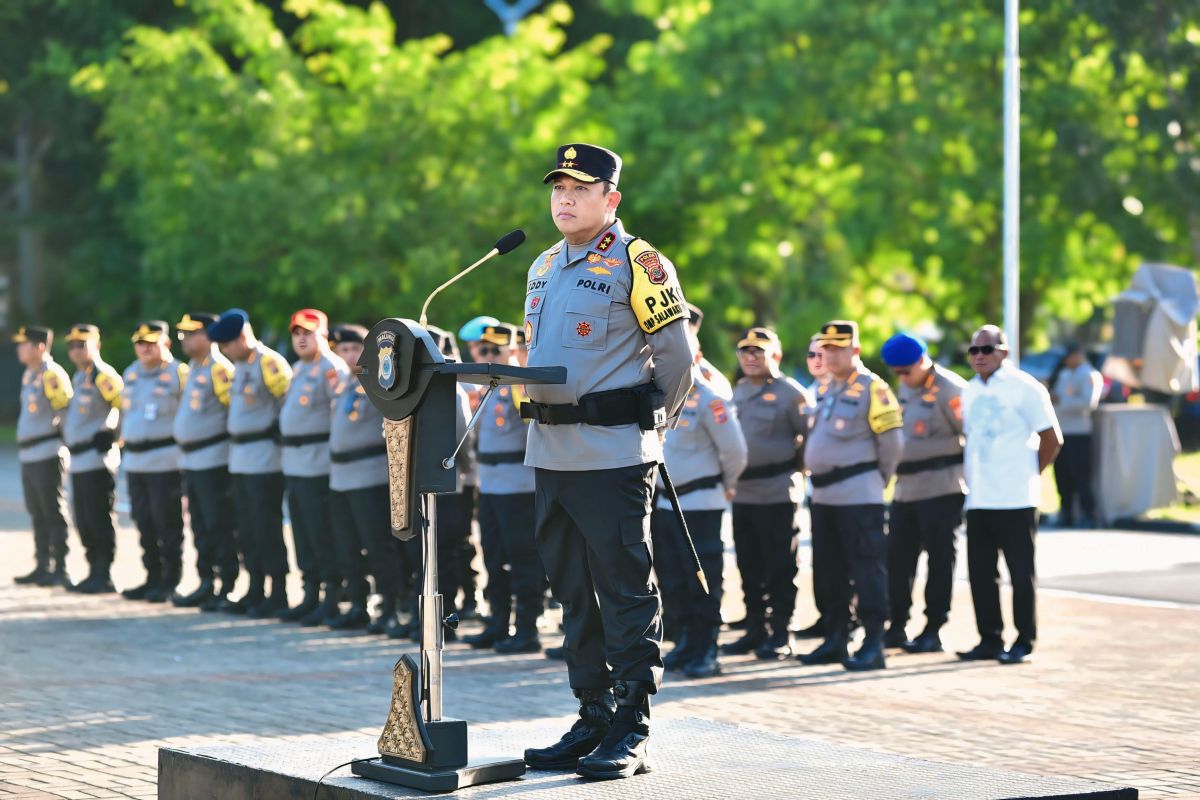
[{"x": 507, "y": 243}]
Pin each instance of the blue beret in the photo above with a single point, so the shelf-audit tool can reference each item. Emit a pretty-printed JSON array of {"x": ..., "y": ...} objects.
[
  {"x": 228, "y": 326},
  {"x": 473, "y": 330},
  {"x": 903, "y": 349}
]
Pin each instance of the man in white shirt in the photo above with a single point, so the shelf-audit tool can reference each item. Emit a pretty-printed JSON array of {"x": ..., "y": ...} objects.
[{"x": 1012, "y": 436}]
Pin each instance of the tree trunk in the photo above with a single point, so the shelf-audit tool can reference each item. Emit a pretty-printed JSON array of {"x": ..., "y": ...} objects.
[{"x": 29, "y": 235}]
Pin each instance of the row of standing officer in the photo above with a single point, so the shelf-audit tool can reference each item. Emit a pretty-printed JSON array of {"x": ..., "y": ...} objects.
[{"x": 235, "y": 426}]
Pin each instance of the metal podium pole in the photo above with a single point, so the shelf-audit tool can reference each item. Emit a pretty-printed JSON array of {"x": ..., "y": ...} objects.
[{"x": 431, "y": 617}]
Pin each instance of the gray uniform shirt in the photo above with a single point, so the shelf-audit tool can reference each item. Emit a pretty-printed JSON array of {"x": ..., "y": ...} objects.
[
  {"x": 306, "y": 411},
  {"x": 932, "y": 427},
  {"x": 45, "y": 394},
  {"x": 772, "y": 415},
  {"x": 606, "y": 312},
  {"x": 707, "y": 441},
  {"x": 857, "y": 420},
  {"x": 501, "y": 430},
  {"x": 149, "y": 402},
  {"x": 259, "y": 384},
  {"x": 1076, "y": 394},
  {"x": 204, "y": 411},
  {"x": 355, "y": 424},
  {"x": 94, "y": 408}
]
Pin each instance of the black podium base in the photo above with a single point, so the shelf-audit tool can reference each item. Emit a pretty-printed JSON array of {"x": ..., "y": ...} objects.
[{"x": 477, "y": 771}]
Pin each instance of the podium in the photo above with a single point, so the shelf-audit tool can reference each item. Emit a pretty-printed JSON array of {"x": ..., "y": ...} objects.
[{"x": 412, "y": 384}]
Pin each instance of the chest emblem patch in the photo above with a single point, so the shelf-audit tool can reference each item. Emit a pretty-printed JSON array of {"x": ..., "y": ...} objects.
[{"x": 584, "y": 329}]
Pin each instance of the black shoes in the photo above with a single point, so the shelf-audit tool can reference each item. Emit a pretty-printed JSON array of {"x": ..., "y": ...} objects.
[
  {"x": 748, "y": 643},
  {"x": 557, "y": 653},
  {"x": 98, "y": 582},
  {"x": 595, "y": 719},
  {"x": 680, "y": 655},
  {"x": 705, "y": 665},
  {"x": 308, "y": 604},
  {"x": 927, "y": 642},
  {"x": 775, "y": 647},
  {"x": 523, "y": 641},
  {"x": 486, "y": 638},
  {"x": 55, "y": 577},
  {"x": 830, "y": 651},
  {"x": 194, "y": 600},
  {"x": 325, "y": 612},
  {"x": 624, "y": 750},
  {"x": 34, "y": 578},
  {"x": 895, "y": 637},
  {"x": 982, "y": 652},
  {"x": 814, "y": 631},
  {"x": 352, "y": 619},
  {"x": 274, "y": 605},
  {"x": 141, "y": 592},
  {"x": 162, "y": 592},
  {"x": 869, "y": 656},
  {"x": 1019, "y": 653}
]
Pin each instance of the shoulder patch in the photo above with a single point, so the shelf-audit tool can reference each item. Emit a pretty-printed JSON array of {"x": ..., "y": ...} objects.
[
  {"x": 719, "y": 412},
  {"x": 655, "y": 297},
  {"x": 222, "y": 381},
  {"x": 110, "y": 384},
  {"x": 955, "y": 404},
  {"x": 57, "y": 387},
  {"x": 181, "y": 372},
  {"x": 884, "y": 412},
  {"x": 276, "y": 372}
]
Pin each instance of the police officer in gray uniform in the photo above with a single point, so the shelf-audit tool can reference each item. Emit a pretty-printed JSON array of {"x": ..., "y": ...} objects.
[
  {"x": 506, "y": 519},
  {"x": 359, "y": 504},
  {"x": 771, "y": 408},
  {"x": 45, "y": 393},
  {"x": 928, "y": 502},
  {"x": 852, "y": 453},
  {"x": 605, "y": 305},
  {"x": 89, "y": 431},
  {"x": 706, "y": 453},
  {"x": 304, "y": 424},
  {"x": 201, "y": 429},
  {"x": 260, "y": 380},
  {"x": 153, "y": 385}
]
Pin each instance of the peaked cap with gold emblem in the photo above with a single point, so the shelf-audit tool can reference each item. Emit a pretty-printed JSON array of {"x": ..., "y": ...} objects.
[{"x": 587, "y": 163}]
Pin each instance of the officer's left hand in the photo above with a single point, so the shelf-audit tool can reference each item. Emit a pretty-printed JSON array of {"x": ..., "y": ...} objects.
[{"x": 729, "y": 494}]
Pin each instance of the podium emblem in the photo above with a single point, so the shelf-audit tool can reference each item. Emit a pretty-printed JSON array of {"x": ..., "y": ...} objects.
[{"x": 386, "y": 344}]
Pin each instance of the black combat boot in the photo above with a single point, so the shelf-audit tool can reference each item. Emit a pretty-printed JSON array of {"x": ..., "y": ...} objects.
[
  {"x": 830, "y": 651},
  {"x": 870, "y": 655},
  {"x": 252, "y": 597},
  {"x": 99, "y": 582},
  {"x": 595, "y": 718},
  {"x": 275, "y": 604},
  {"x": 895, "y": 636},
  {"x": 56, "y": 576},
  {"x": 143, "y": 591},
  {"x": 88, "y": 581},
  {"x": 776, "y": 646},
  {"x": 357, "y": 615},
  {"x": 166, "y": 587},
  {"x": 194, "y": 600},
  {"x": 755, "y": 635},
  {"x": 387, "y": 613},
  {"x": 624, "y": 750},
  {"x": 311, "y": 599},
  {"x": 525, "y": 640},
  {"x": 683, "y": 652},
  {"x": 705, "y": 664},
  {"x": 326, "y": 611},
  {"x": 33, "y": 578},
  {"x": 488, "y": 637}
]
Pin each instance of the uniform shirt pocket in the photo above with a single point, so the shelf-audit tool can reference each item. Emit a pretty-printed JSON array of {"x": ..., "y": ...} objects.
[
  {"x": 919, "y": 415},
  {"x": 585, "y": 321},
  {"x": 845, "y": 418}
]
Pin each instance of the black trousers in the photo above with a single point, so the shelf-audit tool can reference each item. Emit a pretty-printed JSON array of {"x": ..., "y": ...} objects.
[
  {"x": 927, "y": 525},
  {"x": 210, "y": 510},
  {"x": 696, "y": 614},
  {"x": 42, "y": 483},
  {"x": 593, "y": 534},
  {"x": 312, "y": 530},
  {"x": 510, "y": 556},
  {"x": 362, "y": 525},
  {"x": 765, "y": 541},
  {"x": 990, "y": 532},
  {"x": 258, "y": 503},
  {"x": 93, "y": 494},
  {"x": 850, "y": 543},
  {"x": 1073, "y": 476},
  {"x": 156, "y": 504},
  {"x": 468, "y": 575}
]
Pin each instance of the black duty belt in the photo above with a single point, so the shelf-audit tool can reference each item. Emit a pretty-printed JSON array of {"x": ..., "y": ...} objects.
[
  {"x": 200, "y": 444},
  {"x": 839, "y": 474},
  {"x": 641, "y": 406},
  {"x": 510, "y": 457},
  {"x": 768, "y": 470},
  {"x": 307, "y": 438},
  {"x": 101, "y": 442},
  {"x": 149, "y": 444},
  {"x": 22, "y": 444},
  {"x": 707, "y": 482},
  {"x": 358, "y": 454},
  {"x": 255, "y": 436},
  {"x": 927, "y": 464}
]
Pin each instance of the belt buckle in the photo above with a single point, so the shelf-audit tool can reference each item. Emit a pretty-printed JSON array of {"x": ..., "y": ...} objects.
[{"x": 539, "y": 413}]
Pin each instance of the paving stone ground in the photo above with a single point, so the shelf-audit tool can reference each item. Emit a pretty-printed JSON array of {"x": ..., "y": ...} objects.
[{"x": 91, "y": 687}]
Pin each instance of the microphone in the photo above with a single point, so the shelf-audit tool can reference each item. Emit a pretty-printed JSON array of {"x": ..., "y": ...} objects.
[{"x": 505, "y": 244}]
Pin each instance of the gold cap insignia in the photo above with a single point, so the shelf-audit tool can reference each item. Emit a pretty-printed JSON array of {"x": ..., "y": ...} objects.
[{"x": 569, "y": 153}]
